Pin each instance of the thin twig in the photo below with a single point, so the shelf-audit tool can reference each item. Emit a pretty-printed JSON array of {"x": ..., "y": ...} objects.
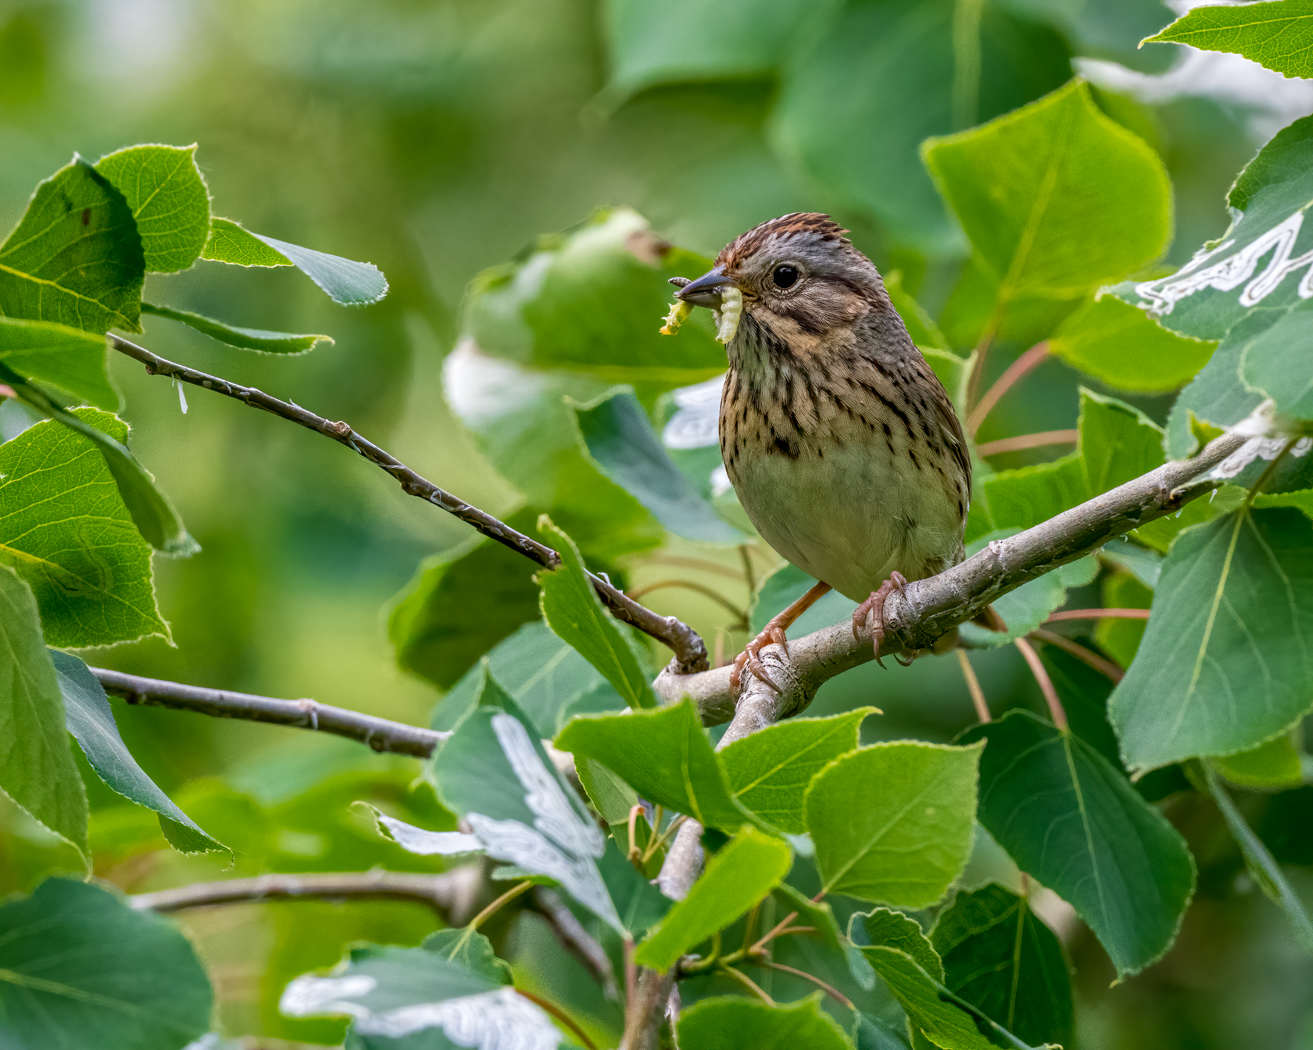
[
  {"x": 1056, "y": 712},
  {"x": 1024, "y": 441},
  {"x": 560, "y": 1015},
  {"x": 690, "y": 585},
  {"x": 973, "y": 685},
  {"x": 748, "y": 983},
  {"x": 829, "y": 989},
  {"x": 1018, "y": 370},
  {"x": 775, "y": 931},
  {"x": 1087, "y": 656},
  {"x": 683, "y": 562},
  {"x": 1099, "y": 614},
  {"x": 690, "y": 652}
]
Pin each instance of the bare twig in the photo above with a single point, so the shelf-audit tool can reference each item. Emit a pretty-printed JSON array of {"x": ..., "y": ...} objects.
[
  {"x": 688, "y": 647},
  {"x": 1086, "y": 656},
  {"x": 973, "y": 685},
  {"x": 381, "y": 734},
  {"x": 928, "y": 609},
  {"x": 1099, "y": 614},
  {"x": 1056, "y": 712},
  {"x": 1018, "y": 370},
  {"x": 1023, "y": 441},
  {"x": 451, "y": 894}
]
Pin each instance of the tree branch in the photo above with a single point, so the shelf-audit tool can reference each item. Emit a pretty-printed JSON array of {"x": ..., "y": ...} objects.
[
  {"x": 689, "y": 649},
  {"x": 381, "y": 734},
  {"x": 451, "y": 894},
  {"x": 930, "y": 608}
]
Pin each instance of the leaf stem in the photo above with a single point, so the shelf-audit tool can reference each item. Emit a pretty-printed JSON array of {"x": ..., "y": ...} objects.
[
  {"x": 1024, "y": 441},
  {"x": 560, "y": 1015},
  {"x": 1056, "y": 712},
  {"x": 829, "y": 989},
  {"x": 748, "y": 983},
  {"x": 1018, "y": 370},
  {"x": 658, "y": 841},
  {"x": 973, "y": 685},
  {"x": 1086, "y": 656},
  {"x": 700, "y": 588},
  {"x": 1099, "y": 614}
]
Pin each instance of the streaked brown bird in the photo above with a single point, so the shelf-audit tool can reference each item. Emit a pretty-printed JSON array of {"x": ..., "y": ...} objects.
[{"x": 841, "y": 443}]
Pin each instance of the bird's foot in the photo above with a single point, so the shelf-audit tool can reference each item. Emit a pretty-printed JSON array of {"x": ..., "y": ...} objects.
[
  {"x": 873, "y": 609},
  {"x": 773, "y": 634}
]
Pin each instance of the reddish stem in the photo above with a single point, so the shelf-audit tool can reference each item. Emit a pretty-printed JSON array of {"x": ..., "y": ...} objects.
[
  {"x": 1022, "y": 441},
  {"x": 1019, "y": 369},
  {"x": 1086, "y": 656},
  {"x": 1099, "y": 614},
  {"x": 1056, "y": 712}
]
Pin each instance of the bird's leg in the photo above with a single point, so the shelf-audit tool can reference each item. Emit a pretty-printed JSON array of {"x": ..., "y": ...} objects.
[
  {"x": 773, "y": 632},
  {"x": 873, "y": 608}
]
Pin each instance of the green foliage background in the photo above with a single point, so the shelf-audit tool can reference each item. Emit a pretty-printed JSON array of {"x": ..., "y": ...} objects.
[{"x": 437, "y": 140}]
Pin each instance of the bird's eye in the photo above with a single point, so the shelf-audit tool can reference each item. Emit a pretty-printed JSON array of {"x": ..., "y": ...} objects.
[{"x": 784, "y": 276}]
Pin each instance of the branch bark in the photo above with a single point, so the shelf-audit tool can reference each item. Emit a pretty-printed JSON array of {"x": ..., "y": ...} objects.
[
  {"x": 930, "y": 608},
  {"x": 689, "y": 649}
]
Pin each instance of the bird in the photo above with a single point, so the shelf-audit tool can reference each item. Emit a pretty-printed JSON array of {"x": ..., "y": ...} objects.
[{"x": 841, "y": 443}]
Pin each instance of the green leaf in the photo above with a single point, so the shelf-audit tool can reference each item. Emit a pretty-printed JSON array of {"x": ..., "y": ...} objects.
[
  {"x": 91, "y": 721},
  {"x": 1276, "y": 362},
  {"x": 739, "y": 875},
  {"x": 627, "y": 450},
  {"x": 891, "y": 929},
  {"x": 893, "y": 822},
  {"x": 494, "y": 772},
  {"x": 574, "y": 612},
  {"x": 1003, "y": 960},
  {"x": 639, "y": 903},
  {"x": 1262, "y": 866},
  {"x": 665, "y": 755},
  {"x": 920, "y": 325},
  {"x": 733, "y": 1023},
  {"x": 783, "y": 586},
  {"x": 1071, "y": 820},
  {"x": 342, "y": 280},
  {"x": 471, "y": 950},
  {"x": 888, "y": 75},
  {"x": 418, "y": 993},
  {"x": 1237, "y": 287},
  {"x": 75, "y": 257},
  {"x": 1110, "y": 29},
  {"x": 36, "y": 767},
  {"x": 1056, "y": 198},
  {"x": 545, "y": 676},
  {"x": 1122, "y": 346},
  {"x": 1272, "y": 766},
  {"x": 652, "y": 43},
  {"x": 1278, "y": 35},
  {"x": 64, "y": 529},
  {"x": 592, "y": 300},
  {"x": 522, "y": 423},
  {"x": 1226, "y": 661},
  {"x": 769, "y": 770},
  {"x": 458, "y": 605},
  {"x": 247, "y": 338},
  {"x": 80, "y": 968},
  {"x": 610, "y": 795},
  {"x": 417, "y": 840},
  {"x": 68, "y": 358},
  {"x": 168, "y": 199},
  {"x": 1119, "y": 638}
]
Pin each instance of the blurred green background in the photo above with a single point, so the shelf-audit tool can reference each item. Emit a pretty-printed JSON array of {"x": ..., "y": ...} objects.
[{"x": 436, "y": 138}]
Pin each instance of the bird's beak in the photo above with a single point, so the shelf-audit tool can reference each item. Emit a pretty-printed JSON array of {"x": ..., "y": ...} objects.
[{"x": 707, "y": 289}]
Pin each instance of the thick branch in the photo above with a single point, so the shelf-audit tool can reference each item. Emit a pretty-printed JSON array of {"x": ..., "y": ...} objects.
[
  {"x": 452, "y": 893},
  {"x": 689, "y": 649},
  {"x": 381, "y": 734},
  {"x": 930, "y": 608}
]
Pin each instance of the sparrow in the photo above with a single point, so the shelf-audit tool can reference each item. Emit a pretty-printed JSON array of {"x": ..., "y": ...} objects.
[{"x": 840, "y": 441}]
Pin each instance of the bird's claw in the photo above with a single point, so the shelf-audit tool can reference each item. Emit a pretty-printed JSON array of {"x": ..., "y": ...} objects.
[
  {"x": 751, "y": 657},
  {"x": 873, "y": 608}
]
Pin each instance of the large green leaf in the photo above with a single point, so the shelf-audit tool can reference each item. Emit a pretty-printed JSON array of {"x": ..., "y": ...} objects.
[
  {"x": 494, "y": 773},
  {"x": 592, "y": 300},
  {"x": 574, "y": 612},
  {"x": 1120, "y": 345},
  {"x": 75, "y": 257},
  {"x": 1277, "y": 363},
  {"x": 1105, "y": 29},
  {"x": 893, "y": 822},
  {"x": 68, "y": 358},
  {"x": 856, "y": 105},
  {"x": 247, "y": 338},
  {"x": 1002, "y": 959},
  {"x": 36, "y": 766},
  {"x": 79, "y": 968},
  {"x": 769, "y": 770},
  {"x": 342, "y": 280},
  {"x": 665, "y": 755},
  {"x": 65, "y": 530},
  {"x": 1227, "y": 659},
  {"x": 1277, "y": 34},
  {"x": 1073, "y": 821},
  {"x": 545, "y": 676},
  {"x": 627, "y": 450},
  {"x": 900, "y": 953},
  {"x": 419, "y": 998},
  {"x": 737, "y": 877},
  {"x": 1055, "y": 198},
  {"x": 91, "y": 721},
  {"x": 734, "y": 1023},
  {"x": 1237, "y": 288},
  {"x": 168, "y": 199}
]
